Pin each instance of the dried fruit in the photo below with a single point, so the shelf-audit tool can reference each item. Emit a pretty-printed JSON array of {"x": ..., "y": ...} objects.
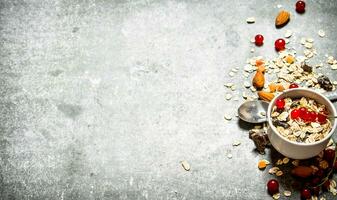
[
  {"x": 302, "y": 171},
  {"x": 300, "y": 6},
  {"x": 306, "y": 68},
  {"x": 260, "y": 138},
  {"x": 273, "y": 186},
  {"x": 266, "y": 96},
  {"x": 275, "y": 87},
  {"x": 280, "y": 44},
  {"x": 258, "y": 80},
  {"x": 259, "y": 40},
  {"x": 290, "y": 59},
  {"x": 325, "y": 83},
  {"x": 329, "y": 155},
  {"x": 262, "y": 164},
  {"x": 295, "y": 114},
  {"x": 282, "y": 18}
]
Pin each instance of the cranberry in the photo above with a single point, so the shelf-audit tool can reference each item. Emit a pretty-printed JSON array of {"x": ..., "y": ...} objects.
[
  {"x": 295, "y": 114},
  {"x": 329, "y": 155},
  {"x": 280, "y": 103},
  {"x": 321, "y": 118},
  {"x": 315, "y": 190},
  {"x": 312, "y": 116},
  {"x": 272, "y": 186},
  {"x": 305, "y": 194},
  {"x": 300, "y": 6},
  {"x": 293, "y": 85},
  {"x": 259, "y": 40},
  {"x": 302, "y": 112},
  {"x": 280, "y": 44}
]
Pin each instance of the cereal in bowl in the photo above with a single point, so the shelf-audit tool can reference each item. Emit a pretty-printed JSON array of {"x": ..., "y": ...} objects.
[{"x": 301, "y": 120}]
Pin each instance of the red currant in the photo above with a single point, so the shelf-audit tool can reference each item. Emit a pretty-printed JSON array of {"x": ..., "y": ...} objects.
[
  {"x": 280, "y": 103},
  {"x": 312, "y": 116},
  {"x": 295, "y": 114},
  {"x": 293, "y": 85},
  {"x": 305, "y": 194},
  {"x": 302, "y": 112},
  {"x": 280, "y": 44},
  {"x": 259, "y": 40},
  {"x": 320, "y": 173},
  {"x": 306, "y": 116},
  {"x": 300, "y": 6},
  {"x": 272, "y": 186},
  {"x": 321, "y": 118}
]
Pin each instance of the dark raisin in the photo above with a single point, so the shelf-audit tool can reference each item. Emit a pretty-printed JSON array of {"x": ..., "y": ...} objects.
[
  {"x": 260, "y": 138},
  {"x": 294, "y": 104},
  {"x": 306, "y": 68},
  {"x": 279, "y": 123},
  {"x": 325, "y": 83}
]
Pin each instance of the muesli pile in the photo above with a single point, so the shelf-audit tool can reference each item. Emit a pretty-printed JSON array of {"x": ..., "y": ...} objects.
[{"x": 301, "y": 120}]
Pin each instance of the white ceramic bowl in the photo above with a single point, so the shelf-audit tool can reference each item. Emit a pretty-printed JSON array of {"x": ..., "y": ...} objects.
[{"x": 298, "y": 150}]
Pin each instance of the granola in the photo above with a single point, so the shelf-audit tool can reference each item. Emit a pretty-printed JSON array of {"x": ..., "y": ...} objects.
[{"x": 301, "y": 120}]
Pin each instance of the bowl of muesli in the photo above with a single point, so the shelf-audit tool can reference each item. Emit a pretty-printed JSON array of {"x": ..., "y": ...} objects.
[{"x": 300, "y": 123}]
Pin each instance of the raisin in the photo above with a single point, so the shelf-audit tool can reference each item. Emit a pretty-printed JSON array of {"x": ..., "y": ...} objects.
[
  {"x": 325, "y": 83},
  {"x": 279, "y": 123},
  {"x": 306, "y": 68}
]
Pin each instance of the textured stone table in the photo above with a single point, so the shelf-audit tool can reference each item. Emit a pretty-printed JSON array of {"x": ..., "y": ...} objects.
[{"x": 103, "y": 99}]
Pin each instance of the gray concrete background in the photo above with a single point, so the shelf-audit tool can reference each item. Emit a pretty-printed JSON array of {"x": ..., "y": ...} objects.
[{"x": 103, "y": 99}]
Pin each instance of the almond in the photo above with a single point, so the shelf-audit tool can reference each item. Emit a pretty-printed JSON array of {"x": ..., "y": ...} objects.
[
  {"x": 282, "y": 18},
  {"x": 302, "y": 171},
  {"x": 266, "y": 96}
]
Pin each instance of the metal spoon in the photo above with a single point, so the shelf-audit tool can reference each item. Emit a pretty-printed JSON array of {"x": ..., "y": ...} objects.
[{"x": 255, "y": 111}]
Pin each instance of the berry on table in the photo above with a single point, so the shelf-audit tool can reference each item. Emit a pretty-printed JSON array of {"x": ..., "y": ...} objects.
[
  {"x": 300, "y": 6},
  {"x": 329, "y": 155},
  {"x": 293, "y": 85},
  {"x": 305, "y": 194},
  {"x": 273, "y": 186},
  {"x": 315, "y": 190},
  {"x": 280, "y": 103},
  {"x": 259, "y": 40},
  {"x": 280, "y": 44}
]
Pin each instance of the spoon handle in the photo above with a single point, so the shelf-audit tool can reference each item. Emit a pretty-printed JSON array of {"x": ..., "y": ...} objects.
[{"x": 332, "y": 96}]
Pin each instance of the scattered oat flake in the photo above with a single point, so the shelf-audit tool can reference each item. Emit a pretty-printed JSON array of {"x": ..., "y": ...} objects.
[
  {"x": 252, "y": 50},
  {"x": 310, "y": 40},
  {"x": 303, "y": 41},
  {"x": 246, "y": 84},
  {"x": 231, "y": 74},
  {"x": 244, "y": 95},
  {"x": 288, "y": 34},
  {"x": 228, "y": 96},
  {"x": 295, "y": 162},
  {"x": 287, "y": 193},
  {"x": 321, "y": 33},
  {"x": 263, "y": 113},
  {"x": 285, "y": 160},
  {"x": 186, "y": 165},
  {"x": 236, "y": 143},
  {"x": 229, "y": 156},
  {"x": 334, "y": 67},
  {"x": 273, "y": 170},
  {"x": 250, "y": 20},
  {"x": 227, "y": 117},
  {"x": 308, "y": 45},
  {"x": 276, "y": 196},
  {"x": 279, "y": 173},
  {"x": 279, "y": 162}
]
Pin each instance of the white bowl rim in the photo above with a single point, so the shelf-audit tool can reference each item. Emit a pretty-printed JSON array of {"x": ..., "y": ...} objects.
[{"x": 298, "y": 143}]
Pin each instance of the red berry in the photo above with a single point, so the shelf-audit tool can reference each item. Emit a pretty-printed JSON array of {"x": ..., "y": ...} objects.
[
  {"x": 329, "y": 155},
  {"x": 315, "y": 181},
  {"x": 312, "y": 116},
  {"x": 335, "y": 166},
  {"x": 293, "y": 85},
  {"x": 300, "y": 6},
  {"x": 305, "y": 194},
  {"x": 280, "y": 103},
  {"x": 280, "y": 44},
  {"x": 320, "y": 173},
  {"x": 295, "y": 114},
  {"x": 321, "y": 118},
  {"x": 259, "y": 40},
  {"x": 306, "y": 116},
  {"x": 272, "y": 186},
  {"x": 302, "y": 112}
]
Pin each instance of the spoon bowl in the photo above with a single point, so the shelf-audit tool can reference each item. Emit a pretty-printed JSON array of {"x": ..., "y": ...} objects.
[{"x": 253, "y": 111}]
